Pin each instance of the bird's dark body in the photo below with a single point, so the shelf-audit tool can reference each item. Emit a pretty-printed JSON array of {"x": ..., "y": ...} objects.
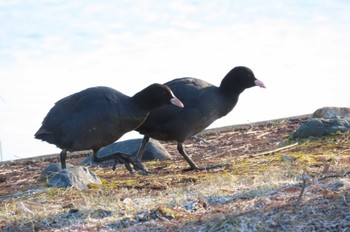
[
  {"x": 90, "y": 119},
  {"x": 98, "y": 116},
  {"x": 204, "y": 103}
]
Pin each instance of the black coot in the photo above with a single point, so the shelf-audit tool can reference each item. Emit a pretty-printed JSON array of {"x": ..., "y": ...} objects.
[
  {"x": 98, "y": 116},
  {"x": 204, "y": 103}
]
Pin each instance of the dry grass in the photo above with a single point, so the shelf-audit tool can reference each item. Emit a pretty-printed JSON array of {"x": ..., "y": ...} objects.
[{"x": 258, "y": 191}]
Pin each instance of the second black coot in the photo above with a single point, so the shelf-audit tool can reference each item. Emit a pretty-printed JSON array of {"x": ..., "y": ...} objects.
[
  {"x": 204, "y": 103},
  {"x": 98, "y": 116}
]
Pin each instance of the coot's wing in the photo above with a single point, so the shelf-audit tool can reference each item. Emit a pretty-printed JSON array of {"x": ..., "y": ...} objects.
[
  {"x": 89, "y": 119},
  {"x": 66, "y": 108},
  {"x": 187, "y": 91},
  {"x": 170, "y": 122}
]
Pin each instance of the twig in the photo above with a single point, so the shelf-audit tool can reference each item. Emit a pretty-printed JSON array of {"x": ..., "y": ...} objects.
[
  {"x": 331, "y": 176},
  {"x": 343, "y": 151},
  {"x": 263, "y": 134},
  {"x": 303, "y": 186},
  {"x": 272, "y": 151},
  {"x": 326, "y": 168},
  {"x": 345, "y": 201}
]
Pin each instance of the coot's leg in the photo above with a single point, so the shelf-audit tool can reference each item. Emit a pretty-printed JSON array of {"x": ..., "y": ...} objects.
[
  {"x": 115, "y": 156},
  {"x": 192, "y": 164},
  {"x": 63, "y": 156},
  {"x": 186, "y": 157},
  {"x": 122, "y": 161},
  {"x": 122, "y": 158},
  {"x": 142, "y": 148},
  {"x": 127, "y": 159},
  {"x": 115, "y": 165}
]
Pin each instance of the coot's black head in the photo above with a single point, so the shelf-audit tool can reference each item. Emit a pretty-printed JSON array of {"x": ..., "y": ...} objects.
[
  {"x": 239, "y": 79},
  {"x": 155, "y": 96}
]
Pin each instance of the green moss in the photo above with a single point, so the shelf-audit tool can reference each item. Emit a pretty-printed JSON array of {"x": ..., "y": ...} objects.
[
  {"x": 301, "y": 157},
  {"x": 53, "y": 192},
  {"x": 172, "y": 213}
]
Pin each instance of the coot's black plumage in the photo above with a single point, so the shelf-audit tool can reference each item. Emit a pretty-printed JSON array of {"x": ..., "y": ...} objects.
[
  {"x": 204, "y": 103},
  {"x": 98, "y": 116}
]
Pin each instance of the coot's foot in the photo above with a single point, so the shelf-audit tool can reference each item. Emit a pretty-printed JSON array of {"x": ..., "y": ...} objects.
[
  {"x": 208, "y": 167},
  {"x": 127, "y": 159}
]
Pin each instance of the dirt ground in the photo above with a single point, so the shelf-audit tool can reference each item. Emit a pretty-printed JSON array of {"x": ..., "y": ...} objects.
[
  {"x": 272, "y": 183},
  {"x": 205, "y": 149}
]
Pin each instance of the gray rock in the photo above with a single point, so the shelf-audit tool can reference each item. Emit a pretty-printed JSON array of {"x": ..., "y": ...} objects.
[
  {"x": 153, "y": 151},
  {"x": 53, "y": 169},
  {"x": 316, "y": 127},
  {"x": 74, "y": 176},
  {"x": 331, "y": 112}
]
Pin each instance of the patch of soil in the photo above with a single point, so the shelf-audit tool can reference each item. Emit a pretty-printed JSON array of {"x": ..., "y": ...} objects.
[
  {"x": 207, "y": 148},
  {"x": 280, "y": 184}
]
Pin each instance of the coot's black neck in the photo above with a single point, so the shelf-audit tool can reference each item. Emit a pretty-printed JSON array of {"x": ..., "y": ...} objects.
[
  {"x": 144, "y": 102},
  {"x": 231, "y": 88}
]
